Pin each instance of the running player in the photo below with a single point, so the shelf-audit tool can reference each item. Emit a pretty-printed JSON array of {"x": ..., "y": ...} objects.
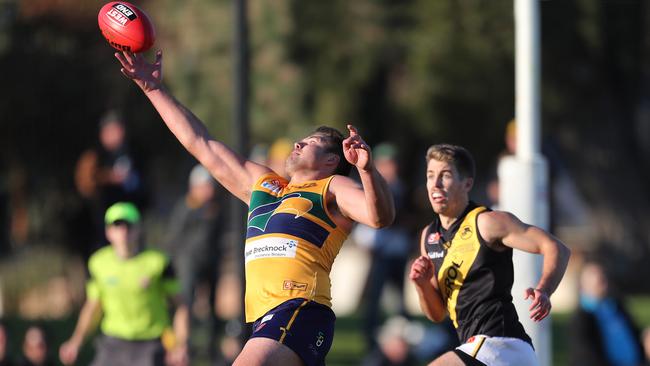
[
  {"x": 295, "y": 227},
  {"x": 465, "y": 269}
]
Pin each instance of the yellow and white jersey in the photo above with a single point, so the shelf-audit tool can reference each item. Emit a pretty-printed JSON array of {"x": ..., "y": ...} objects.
[{"x": 291, "y": 243}]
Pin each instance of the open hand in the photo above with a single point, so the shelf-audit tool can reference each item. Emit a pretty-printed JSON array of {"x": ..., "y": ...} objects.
[
  {"x": 135, "y": 67},
  {"x": 541, "y": 305},
  {"x": 356, "y": 151}
]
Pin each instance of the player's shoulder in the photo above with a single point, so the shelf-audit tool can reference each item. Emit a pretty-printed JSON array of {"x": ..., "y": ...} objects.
[
  {"x": 101, "y": 257},
  {"x": 101, "y": 253},
  {"x": 337, "y": 181},
  {"x": 495, "y": 224}
]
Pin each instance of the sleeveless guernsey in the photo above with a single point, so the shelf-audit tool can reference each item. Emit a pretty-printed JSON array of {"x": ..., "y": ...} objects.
[
  {"x": 475, "y": 281},
  {"x": 291, "y": 243}
]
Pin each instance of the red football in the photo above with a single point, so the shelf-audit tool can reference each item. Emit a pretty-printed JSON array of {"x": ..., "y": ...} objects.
[{"x": 126, "y": 27}]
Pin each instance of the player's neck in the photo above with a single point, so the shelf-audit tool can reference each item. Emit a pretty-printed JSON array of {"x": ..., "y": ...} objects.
[
  {"x": 302, "y": 176},
  {"x": 452, "y": 214},
  {"x": 125, "y": 251}
]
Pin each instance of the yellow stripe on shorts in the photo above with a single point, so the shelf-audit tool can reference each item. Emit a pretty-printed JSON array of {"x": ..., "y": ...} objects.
[
  {"x": 293, "y": 317},
  {"x": 478, "y": 346}
]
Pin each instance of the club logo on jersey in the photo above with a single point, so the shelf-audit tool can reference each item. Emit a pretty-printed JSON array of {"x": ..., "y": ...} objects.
[
  {"x": 433, "y": 238},
  {"x": 292, "y": 203},
  {"x": 465, "y": 232}
]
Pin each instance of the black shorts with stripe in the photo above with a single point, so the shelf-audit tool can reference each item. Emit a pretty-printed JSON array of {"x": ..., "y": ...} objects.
[{"x": 306, "y": 327}]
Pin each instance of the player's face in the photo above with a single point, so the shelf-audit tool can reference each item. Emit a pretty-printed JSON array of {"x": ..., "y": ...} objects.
[
  {"x": 307, "y": 153},
  {"x": 448, "y": 192},
  {"x": 122, "y": 234}
]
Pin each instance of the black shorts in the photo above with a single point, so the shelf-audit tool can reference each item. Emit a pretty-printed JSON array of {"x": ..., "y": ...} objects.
[{"x": 306, "y": 327}]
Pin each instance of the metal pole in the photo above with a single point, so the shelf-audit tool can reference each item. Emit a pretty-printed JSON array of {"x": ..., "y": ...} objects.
[
  {"x": 524, "y": 177},
  {"x": 240, "y": 131}
]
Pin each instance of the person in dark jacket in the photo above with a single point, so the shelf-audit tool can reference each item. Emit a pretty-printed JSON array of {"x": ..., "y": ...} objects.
[{"x": 603, "y": 333}]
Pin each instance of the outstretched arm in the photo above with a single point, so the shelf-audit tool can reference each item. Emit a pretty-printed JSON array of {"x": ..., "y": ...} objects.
[
  {"x": 422, "y": 274},
  {"x": 234, "y": 172},
  {"x": 371, "y": 203},
  {"x": 509, "y": 230}
]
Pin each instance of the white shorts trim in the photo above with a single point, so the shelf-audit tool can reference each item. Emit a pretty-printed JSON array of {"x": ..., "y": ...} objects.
[{"x": 500, "y": 351}]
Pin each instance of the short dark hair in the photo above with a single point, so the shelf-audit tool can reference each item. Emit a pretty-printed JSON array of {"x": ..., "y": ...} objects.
[
  {"x": 456, "y": 155},
  {"x": 334, "y": 144}
]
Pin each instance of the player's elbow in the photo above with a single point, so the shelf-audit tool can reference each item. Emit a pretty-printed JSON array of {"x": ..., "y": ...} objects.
[
  {"x": 564, "y": 252},
  {"x": 437, "y": 317},
  {"x": 380, "y": 223}
]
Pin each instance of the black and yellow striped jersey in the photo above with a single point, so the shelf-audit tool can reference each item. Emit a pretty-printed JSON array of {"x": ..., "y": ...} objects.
[{"x": 475, "y": 281}]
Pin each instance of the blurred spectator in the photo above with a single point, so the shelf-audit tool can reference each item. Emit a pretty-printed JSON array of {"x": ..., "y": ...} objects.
[
  {"x": 35, "y": 348},
  {"x": 193, "y": 242},
  {"x": 130, "y": 286},
  {"x": 4, "y": 357},
  {"x": 277, "y": 155},
  {"x": 394, "y": 344},
  {"x": 603, "y": 331},
  {"x": 565, "y": 203},
  {"x": 389, "y": 247},
  {"x": 107, "y": 174}
]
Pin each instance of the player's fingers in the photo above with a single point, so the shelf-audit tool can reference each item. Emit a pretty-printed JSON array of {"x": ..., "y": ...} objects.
[
  {"x": 536, "y": 303},
  {"x": 126, "y": 73},
  {"x": 128, "y": 56},
  {"x": 353, "y": 130},
  {"x": 121, "y": 59}
]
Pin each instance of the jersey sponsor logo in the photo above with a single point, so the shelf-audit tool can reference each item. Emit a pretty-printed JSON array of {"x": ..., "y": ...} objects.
[
  {"x": 433, "y": 238},
  {"x": 436, "y": 255},
  {"x": 292, "y": 203},
  {"x": 453, "y": 277},
  {"x": 270, "y": 248},
  {"x": 292, "y": 285},
  {"x": 272, "y": 185}
]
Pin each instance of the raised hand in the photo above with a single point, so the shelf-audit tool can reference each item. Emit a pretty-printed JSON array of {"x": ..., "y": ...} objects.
[
  {"x": 356, "y": 151},
  {"x": 541, "y": 305},
  {"x": 147, "y": 76}
]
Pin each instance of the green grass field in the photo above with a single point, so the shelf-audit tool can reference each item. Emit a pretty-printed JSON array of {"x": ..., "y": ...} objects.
[{"x": 348, "y": 347}]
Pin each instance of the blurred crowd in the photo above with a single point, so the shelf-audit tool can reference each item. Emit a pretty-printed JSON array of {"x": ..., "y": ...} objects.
[{"x": 198, "y": 241}]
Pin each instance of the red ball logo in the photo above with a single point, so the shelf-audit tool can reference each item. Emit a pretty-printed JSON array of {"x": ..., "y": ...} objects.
[{"x": 126, "y": 27}]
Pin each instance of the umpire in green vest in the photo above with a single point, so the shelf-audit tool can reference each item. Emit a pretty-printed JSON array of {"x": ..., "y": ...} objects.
[{"x": 130, "y": 286}]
